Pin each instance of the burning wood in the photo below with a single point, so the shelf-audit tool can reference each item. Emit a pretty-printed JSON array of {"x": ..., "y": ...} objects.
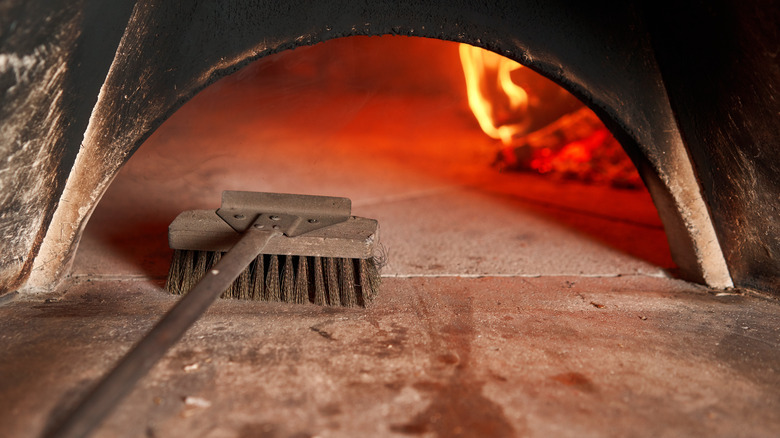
[{"x": 576, "y": 146}]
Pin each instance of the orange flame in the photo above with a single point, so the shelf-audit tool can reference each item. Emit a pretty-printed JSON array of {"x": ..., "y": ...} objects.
[{"x": 496, "y": 101}]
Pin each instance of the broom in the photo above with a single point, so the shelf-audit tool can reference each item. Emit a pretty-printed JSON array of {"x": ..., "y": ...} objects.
[
  {"x": 327, "y": 258},
  {"x": 330, "y": 262}
]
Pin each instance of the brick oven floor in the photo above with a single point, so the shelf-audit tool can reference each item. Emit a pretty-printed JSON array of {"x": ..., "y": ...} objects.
[
  {"x": 494, "y": 356},
  {"x": 512, "y": 304}
]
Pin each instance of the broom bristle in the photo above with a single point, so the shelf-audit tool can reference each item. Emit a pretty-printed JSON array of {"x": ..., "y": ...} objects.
[{"x": 319, "y": 280}]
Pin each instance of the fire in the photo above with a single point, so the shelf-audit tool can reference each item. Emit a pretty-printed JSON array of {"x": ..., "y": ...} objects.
[
  {"x": 541, "y": 126},
  {"x": 496, "y": 101}
]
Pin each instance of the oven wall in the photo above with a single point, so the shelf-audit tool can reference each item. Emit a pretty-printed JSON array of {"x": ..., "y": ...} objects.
[
  {"x": 170, "y": 50},
  {"x": 720, "y": 64},
  {"x": 54, "y": 57}
]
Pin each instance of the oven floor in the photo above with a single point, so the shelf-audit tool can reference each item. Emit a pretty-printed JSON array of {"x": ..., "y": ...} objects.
[
  {"x": 512, "y": 304},
  {"x": 550, "y": 356}
]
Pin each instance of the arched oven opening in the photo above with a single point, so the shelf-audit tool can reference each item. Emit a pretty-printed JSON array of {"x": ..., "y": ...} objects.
[
  {"x": 143, "y": 87},
  {"x": 473, "y": 164}
]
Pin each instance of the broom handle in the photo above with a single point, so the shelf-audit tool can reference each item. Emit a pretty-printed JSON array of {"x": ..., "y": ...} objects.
[{"x": 135, "y": 364}]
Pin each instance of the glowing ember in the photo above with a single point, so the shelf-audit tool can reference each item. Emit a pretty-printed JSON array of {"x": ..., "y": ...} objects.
[{"x": 542, "y": 127}]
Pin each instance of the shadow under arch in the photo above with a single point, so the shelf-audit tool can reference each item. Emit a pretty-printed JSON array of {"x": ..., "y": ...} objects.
[{"x": 169, "y": 52}]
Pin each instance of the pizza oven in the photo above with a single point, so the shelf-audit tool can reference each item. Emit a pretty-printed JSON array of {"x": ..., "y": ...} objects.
[{"x": 98, "y": 92}]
